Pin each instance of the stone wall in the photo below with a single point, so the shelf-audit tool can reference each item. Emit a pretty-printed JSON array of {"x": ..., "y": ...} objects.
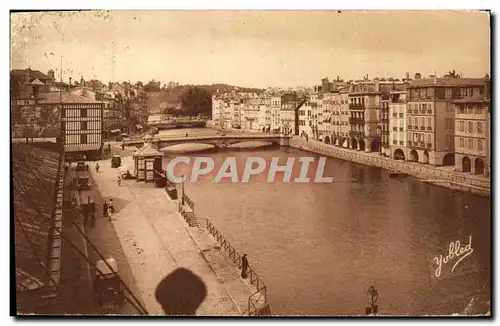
[{"x": 453, "y": 180}]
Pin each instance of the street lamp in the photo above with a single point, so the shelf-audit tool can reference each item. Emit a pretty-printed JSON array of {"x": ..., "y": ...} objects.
[{"x": 182, "y": 191}]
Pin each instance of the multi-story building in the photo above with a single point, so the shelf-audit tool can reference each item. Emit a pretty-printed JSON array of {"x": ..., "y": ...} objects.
[
  {"x": 472, "y": 134},
  {"x": 82, "y": 127},
  {"x": 343, "y": 138},
  {"x": 383, "y": 127},
  {"x": 331, "y": 117},
  {"x": 364, "y": 108},
  {"x": 264, "y": 114},
  {"x": 275, "y": 105},
  {"x": 430, "y": 117},
  {"x": 305, "y": 119},
  {"x": 251, "y": 117},
  {"x": 397, "y": 126},
  {"x": 289, "y": 113}
]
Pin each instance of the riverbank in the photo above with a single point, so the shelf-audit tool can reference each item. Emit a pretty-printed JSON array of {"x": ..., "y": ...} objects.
[
  {"x": 162, "y": 250},
  {"x": 435, "y": 175}
]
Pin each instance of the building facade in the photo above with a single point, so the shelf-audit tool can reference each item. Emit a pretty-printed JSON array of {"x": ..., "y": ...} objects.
[
  {"x": 472, "y": 135},
  {"x": 82, "y": 129},
  {"x": 397, "y": 126},
  {"x": 430, "y": 117}
]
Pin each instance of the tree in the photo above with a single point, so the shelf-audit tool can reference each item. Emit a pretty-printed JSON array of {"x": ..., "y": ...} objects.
[
  {"x": 152, "y": 86},
  {"x": 195, "y": 101}
]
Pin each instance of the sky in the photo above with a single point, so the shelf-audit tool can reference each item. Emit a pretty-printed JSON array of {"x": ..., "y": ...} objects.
[{"x": 250, "y": 48}]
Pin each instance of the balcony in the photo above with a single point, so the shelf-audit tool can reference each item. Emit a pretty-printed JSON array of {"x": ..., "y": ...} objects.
[
  {"x": 409, "y": 127},
  {"x": 401, "y": 129},
  {"x": 356, "y": 133},
  {"x": 429, "y": 145},
  {"x": 429, "y": 111},
  {"x": 422, "y": 128},
  {"x": 429, "y": 128},
  {"x": 394, "y": 115},
  {"x": 385, "y": 132},
  {"x": 401, "y": 115},
  {"x": 401, "y": 142},
  {"x": 394, "y": 129},
  {"x": 356, "y": 106},
  {"x": 356, "y": 120}
]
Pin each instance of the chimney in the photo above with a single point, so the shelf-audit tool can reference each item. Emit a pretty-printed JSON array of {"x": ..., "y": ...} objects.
[{"x": 487, "y": 86}]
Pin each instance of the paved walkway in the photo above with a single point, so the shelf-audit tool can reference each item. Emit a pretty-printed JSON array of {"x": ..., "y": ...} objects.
[{"x": 157, "y": 242}]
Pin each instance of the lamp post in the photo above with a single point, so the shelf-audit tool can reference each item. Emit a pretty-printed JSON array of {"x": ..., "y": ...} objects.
[{"x": 182, "y": 191}]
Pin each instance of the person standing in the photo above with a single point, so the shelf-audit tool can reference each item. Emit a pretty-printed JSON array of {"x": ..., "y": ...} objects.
[
  {"x": 244, "y": 266},
  {"x": 371, "y": 301},
  {"x": 111, "y": 206},
  {"x": 105, "y": 209},
  {"x": 96, "y": 167}
]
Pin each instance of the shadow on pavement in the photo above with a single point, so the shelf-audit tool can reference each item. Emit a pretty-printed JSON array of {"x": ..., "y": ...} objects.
[{"x": 181, "y": 292}]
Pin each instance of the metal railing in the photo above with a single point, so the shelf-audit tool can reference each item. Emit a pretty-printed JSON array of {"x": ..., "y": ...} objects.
[{"x": 258, "y": 300}]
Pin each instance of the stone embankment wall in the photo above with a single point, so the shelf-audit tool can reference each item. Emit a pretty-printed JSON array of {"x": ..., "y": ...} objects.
[{"x": 453, "y": 180}]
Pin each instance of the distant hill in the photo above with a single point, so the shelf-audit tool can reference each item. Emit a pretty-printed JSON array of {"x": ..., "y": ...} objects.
[
  {"x": 229, "y": 88},
  {"x": 170, "y": 98}
]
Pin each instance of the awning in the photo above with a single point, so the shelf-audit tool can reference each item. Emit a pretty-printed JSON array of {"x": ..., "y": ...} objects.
[
  {"x": 115, "y": 131},
  {"x": 138, "y": 126}
]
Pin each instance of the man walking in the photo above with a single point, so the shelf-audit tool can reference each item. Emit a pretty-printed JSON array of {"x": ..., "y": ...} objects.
[
  {"x": 105, "y": 209},
  {"x": 371, "y": 301},
  {"x": 244, "y": 266}
]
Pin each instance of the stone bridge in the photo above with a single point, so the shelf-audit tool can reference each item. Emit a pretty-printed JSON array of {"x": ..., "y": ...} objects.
[{"x": 218, "y": 141}]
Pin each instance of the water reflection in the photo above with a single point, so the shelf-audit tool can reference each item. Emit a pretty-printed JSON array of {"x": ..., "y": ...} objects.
[{"x": 320, "y": 246}]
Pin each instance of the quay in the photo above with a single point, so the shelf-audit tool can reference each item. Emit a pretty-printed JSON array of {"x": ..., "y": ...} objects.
[
  {"x": 159, "y": 245},
  {"x": 435, "y": 175}
]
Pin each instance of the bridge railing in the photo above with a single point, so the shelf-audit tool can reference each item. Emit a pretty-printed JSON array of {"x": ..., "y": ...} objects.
[{"x": 258, "y": 300}]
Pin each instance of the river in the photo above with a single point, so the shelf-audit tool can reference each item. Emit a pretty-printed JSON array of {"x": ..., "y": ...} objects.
[{"x": 318, "y": 247}]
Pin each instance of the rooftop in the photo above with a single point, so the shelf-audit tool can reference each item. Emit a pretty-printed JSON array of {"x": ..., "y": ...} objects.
[
  {"x": 32, "y": 74},
  {"x": 34, "y": 189},
  {"x": 64, "y": 97},
  {"x": 449, "y": 82}
]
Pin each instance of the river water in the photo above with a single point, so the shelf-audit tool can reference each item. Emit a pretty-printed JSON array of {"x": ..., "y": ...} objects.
[{"x": 318, "y": 247}]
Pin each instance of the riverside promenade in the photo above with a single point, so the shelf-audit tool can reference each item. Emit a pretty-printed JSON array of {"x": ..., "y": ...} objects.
[
  {"x": 158, "y": 243},
  {"x": 441, "y": 176}
]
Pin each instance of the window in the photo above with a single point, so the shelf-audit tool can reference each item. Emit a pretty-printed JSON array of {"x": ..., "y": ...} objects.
[
  {"x": 429, "y": 122},
  {"x": 428, "y": 138},
  {"x": 461, "y": 142},
  {"x": 83, "y": 139},
  {"x": 470, "y": 110},
  {"x": 462, "y": 126},
  {"x": 83, "y": 125},
  {"x": 480, "y": 144},
  {"x": 461, "y": 110},
  {"x": 480, "y": 127},
  {"x": 471, "y": 143},
  {"x": 469, "y": 125}
]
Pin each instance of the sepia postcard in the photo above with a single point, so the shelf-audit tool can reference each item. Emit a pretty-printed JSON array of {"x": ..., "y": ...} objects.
[{"x": 251, "y": 163}]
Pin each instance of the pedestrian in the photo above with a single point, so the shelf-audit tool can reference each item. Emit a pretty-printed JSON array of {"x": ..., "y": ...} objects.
[
  {"x": 109, "y": 148},
  {"x": 244, "y": 266},
  {"x": 105, "y": 209},
  {"x": 371, "y": 301},
  {"x": 123, "y": 147},
  {"x": 111, "y": 206},
  {"x": 97, "y": 167}
]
